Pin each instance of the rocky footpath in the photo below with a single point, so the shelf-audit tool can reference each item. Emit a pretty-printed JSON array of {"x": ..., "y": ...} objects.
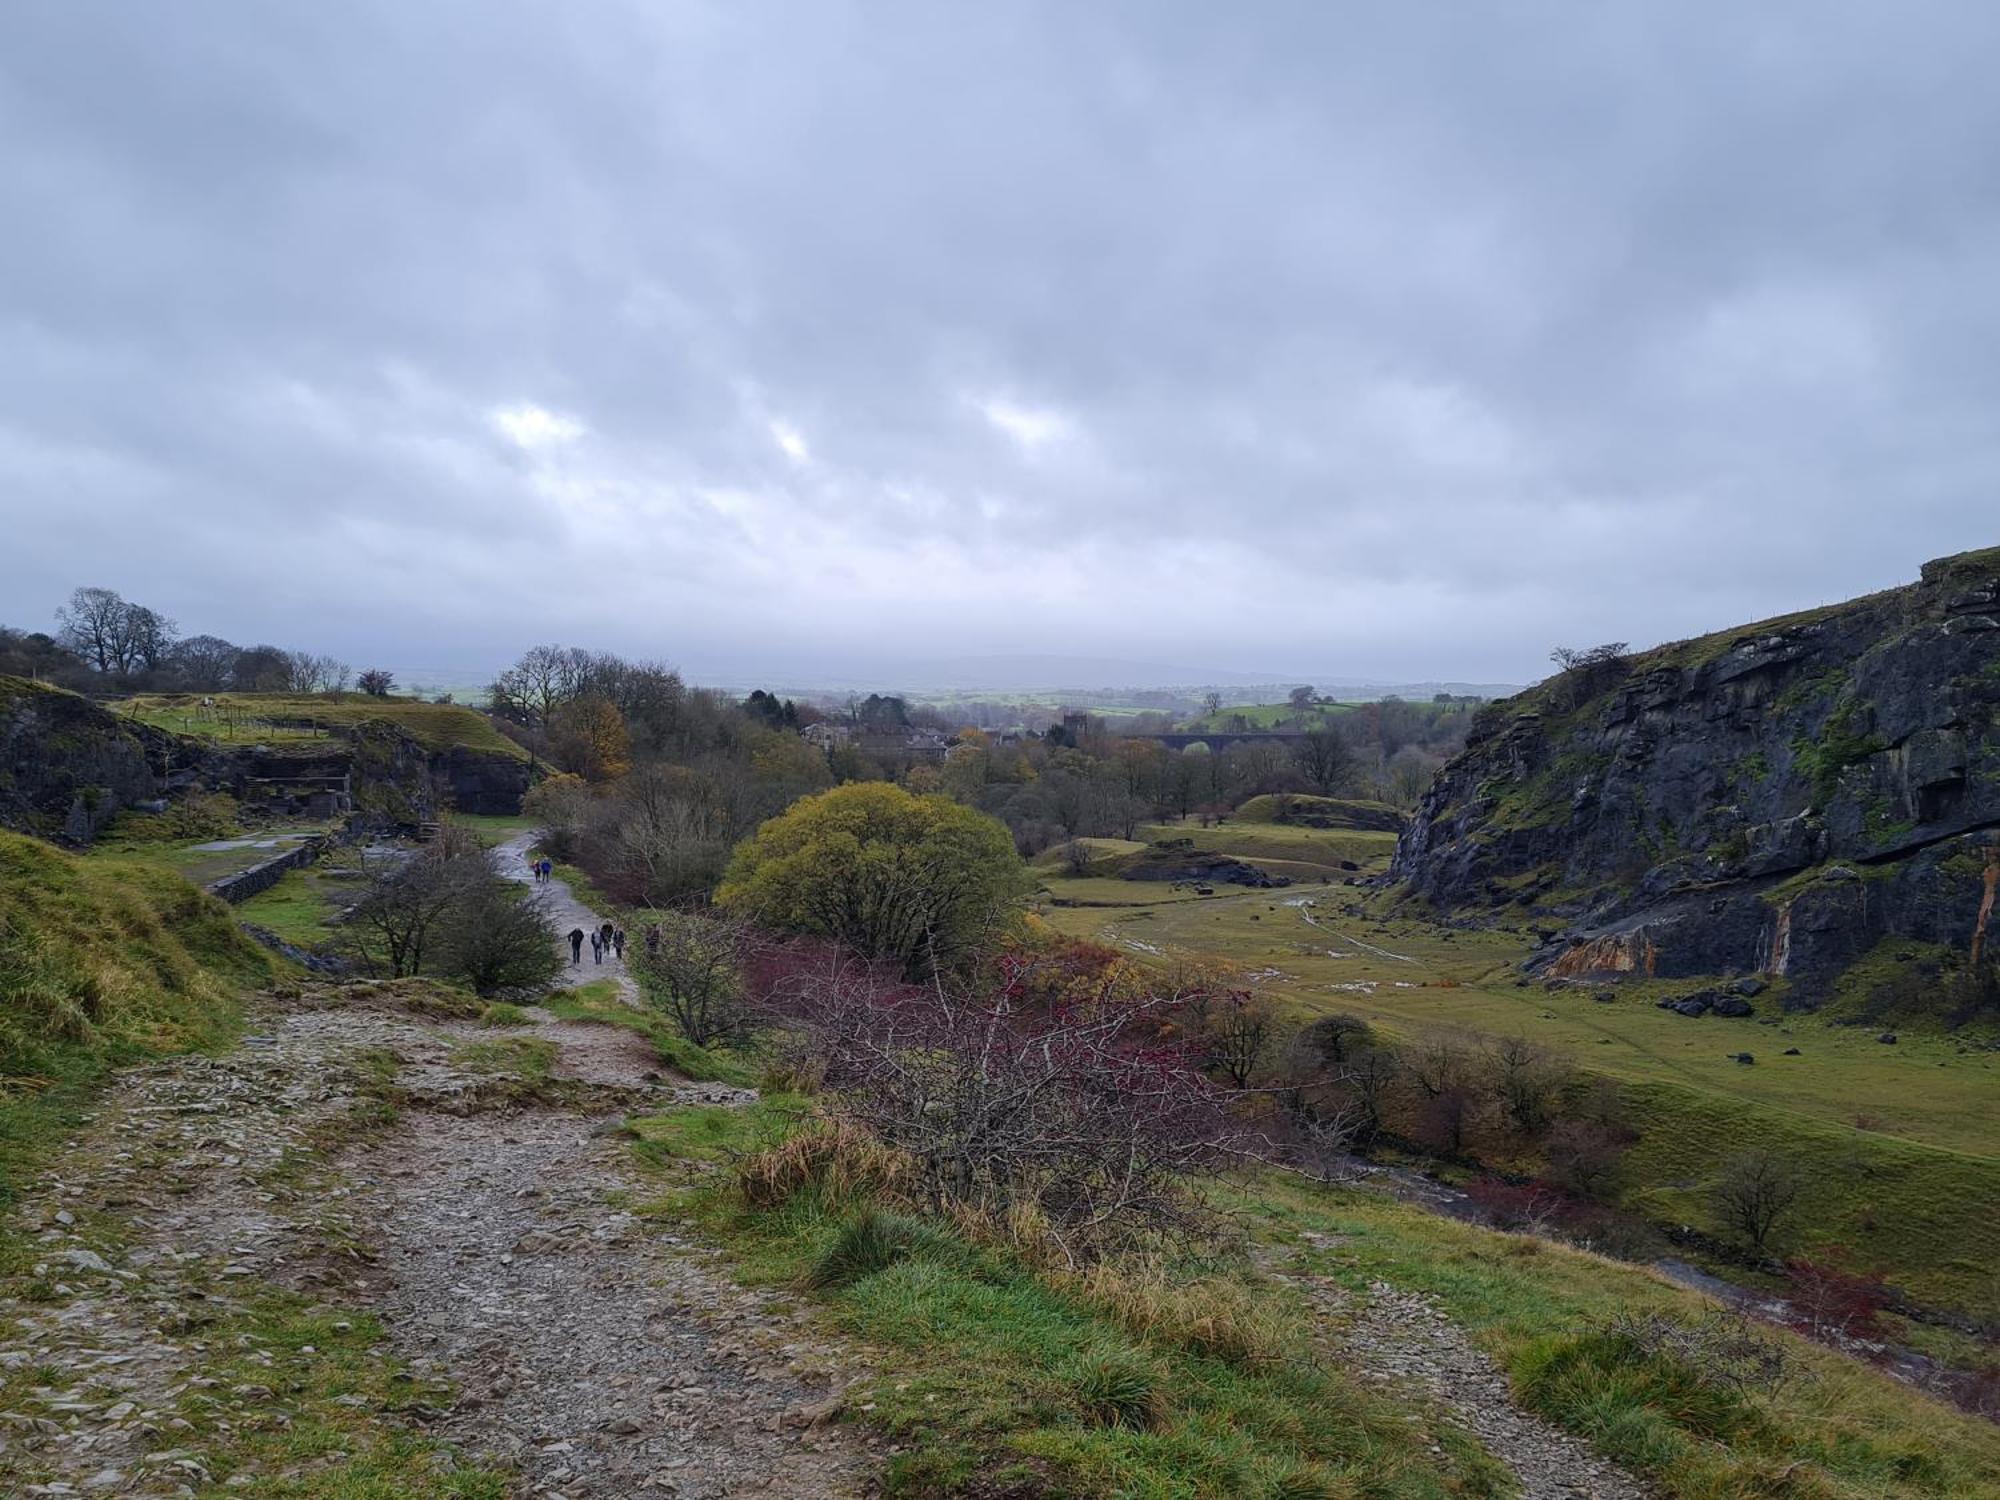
[
  {"x": 1778, "y": 799},
  {"x": 1401, "y": 1341},
  {"x": 364, "y": 1173}
]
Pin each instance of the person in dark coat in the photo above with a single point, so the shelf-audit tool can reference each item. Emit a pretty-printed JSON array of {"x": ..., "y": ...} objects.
[
  {"x": 576, "y": 945},
  {"x": 618, "y": 944},
  {"x": 596, "y": 949}
]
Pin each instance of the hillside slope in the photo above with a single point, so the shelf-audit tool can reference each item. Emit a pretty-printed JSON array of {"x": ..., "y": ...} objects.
[{"x": 1782, "y": 799}]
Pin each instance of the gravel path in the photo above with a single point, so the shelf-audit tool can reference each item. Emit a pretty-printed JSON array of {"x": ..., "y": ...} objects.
[
  {"x": 567, "y": 913},
  {"x": 557, "y": 1336},
  {"x": 1404, "y": 1341}
]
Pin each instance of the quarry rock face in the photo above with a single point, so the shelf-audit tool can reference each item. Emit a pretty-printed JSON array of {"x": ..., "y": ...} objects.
[
  {"x": 67, "y": 766},
  {"x": 1777, "y": 801}
]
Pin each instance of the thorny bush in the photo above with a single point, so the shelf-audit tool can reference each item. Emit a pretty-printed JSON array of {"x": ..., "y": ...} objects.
[{"x": 1044, "y": 1091}]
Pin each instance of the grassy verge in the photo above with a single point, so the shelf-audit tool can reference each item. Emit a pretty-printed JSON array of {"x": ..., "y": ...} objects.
[
  {"x": 102, "y": 962},
  {"x": 598, "y": 1002},
  {"x": 1842, "y": 1431},
  {"x": 991, "y": 1376}
]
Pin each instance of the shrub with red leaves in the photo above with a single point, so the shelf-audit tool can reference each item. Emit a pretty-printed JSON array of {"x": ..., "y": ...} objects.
[
  {"x": 1831, "y": 1299},
  {"x": 1070, "y": 1104}
]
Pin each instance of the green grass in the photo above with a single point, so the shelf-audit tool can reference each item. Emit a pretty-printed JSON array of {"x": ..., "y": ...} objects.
[
  {"x": 297, "y": 908},
  {"x": 435, "y": 726},
  {"x": 528, "y": 1058},
  {"x": 988, "y": 1374},
  {"x": 496, "y": 828},
  {"x": 204, "y": 866},
  {"x": 1912, "y": 1192},
  {"x": 1343, "y": 812},
  {"x": 598, "y": 1002},
  {"x": 102, "y": 962},
  {"x": 1322, "y": 848},
  {"x": 502, "y": 1014},
  {"x": 1267, "y": 716}
]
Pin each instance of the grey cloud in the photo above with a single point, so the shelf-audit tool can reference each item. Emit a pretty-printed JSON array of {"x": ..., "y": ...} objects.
[{"x": 1335, "y": 339}]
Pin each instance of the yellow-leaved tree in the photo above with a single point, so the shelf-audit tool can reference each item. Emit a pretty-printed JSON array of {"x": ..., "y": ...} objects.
[{"x": 915, "y": 880}]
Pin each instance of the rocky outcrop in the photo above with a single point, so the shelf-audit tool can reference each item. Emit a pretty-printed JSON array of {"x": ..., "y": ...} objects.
[
  {"x": 67, "y": 765},
  {"x": 1778, "y": 799}
]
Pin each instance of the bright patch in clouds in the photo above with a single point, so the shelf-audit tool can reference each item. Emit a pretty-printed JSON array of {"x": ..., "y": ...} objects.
[
  {"x": 534, "y": 427},
  {"x": 1029, "y": 426},
  {"x": 787, "y": 437}
]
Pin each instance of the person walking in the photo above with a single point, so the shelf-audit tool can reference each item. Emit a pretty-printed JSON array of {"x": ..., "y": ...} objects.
[
  {"x": 596, "y": 949},
  {"x": 576, "y": 945},
  {"x": 604, "y": 932},
  {"x": 618, "y": 944},
  {"x": 548, "y": 868}
]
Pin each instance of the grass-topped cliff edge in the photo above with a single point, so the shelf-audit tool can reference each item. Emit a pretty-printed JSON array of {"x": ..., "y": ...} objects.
[{"x": 102, "y": 962}]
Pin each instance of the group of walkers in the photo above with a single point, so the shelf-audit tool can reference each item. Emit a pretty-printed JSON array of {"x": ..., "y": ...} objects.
[{"x": 603, "y": 940}]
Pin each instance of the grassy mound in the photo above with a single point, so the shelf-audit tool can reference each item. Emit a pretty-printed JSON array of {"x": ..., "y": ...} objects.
[
  {"x": 247, "y": 717},
  {"x": 1321, "y": 812},
  {"x": 103, "y": 961}
]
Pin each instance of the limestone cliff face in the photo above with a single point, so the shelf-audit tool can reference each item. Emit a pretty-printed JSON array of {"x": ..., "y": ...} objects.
[
  {"x": 67, "y": 766},
  {"x": 1776, "y": 799}
]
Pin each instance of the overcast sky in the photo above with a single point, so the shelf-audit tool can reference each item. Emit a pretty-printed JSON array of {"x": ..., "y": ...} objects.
[{"x": 1366, "y": 340}]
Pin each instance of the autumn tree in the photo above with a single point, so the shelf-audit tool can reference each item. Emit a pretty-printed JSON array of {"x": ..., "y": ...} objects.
[
  {"x": 917, "y": 881},
  {"x": 589, "y": 737}
]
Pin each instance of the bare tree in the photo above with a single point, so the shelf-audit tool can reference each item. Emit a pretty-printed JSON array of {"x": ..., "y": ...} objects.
[
  {"x": 97, "y": 625},
  {"x": 1325, "y": 759},
  {"x": 406, "y": 908},
  {"x": 1582, "y": 674},
  {"x": 691, "y": 970},
  {"x": 376, "y": 682},
  {"x": 1755, "y": 1194},
  {"x": 149, "y": 636},
  {"x": 545, "y": 678},
  {"x": 1525, "y": 1080},
  {"x": 1366, "y": 1077},
  {"x": 206, "y": 663},
  {"x": 1584, "y": 1158},
  {"x": 497, "y": 940},
  {"x": 1235, "y": 1036},
  {"x": 311, "y": 673}
]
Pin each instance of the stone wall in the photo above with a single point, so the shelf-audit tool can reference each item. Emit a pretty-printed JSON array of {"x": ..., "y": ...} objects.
[{"x": 240, "y": 887}]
